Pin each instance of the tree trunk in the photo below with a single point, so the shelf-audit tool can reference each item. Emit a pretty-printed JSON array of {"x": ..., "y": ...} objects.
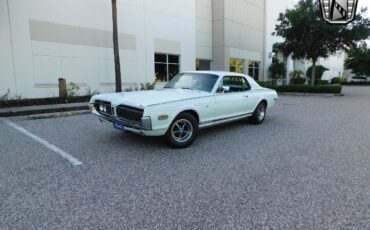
[
  {"x": 313, "y": 72},
  {"x": 117, "y": 62}
]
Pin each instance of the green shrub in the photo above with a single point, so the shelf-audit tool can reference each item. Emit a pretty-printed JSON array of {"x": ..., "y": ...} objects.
[
  {"x": 297, "y": 74},
  {"x": 266, "y": 84},
  {"x": 319, "y": 72},
  {"x": 147, "y": 86},
  {"x": 277, "y": 69},
  {"x": 73, "y": 90},
  {"x": 335, "y": 89},
  {"x": 90, "y": 92},
  {"x": 357, "y": 83},
  {"x": 6, "y": 96},
  {"x": 343, "y": 81},
  {"x": 322, "y": 82},
  {"x": 339, "y": 80},
  {"x": 298, "y": 81}
]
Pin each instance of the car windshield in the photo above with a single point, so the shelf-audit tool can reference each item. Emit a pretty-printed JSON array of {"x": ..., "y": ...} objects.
[{"x": 193, "y": 81}]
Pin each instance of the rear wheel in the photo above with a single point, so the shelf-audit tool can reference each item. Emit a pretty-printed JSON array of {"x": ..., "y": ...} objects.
[
  {"x": 259, "y": 114},
  {"x": 182, "y": 131}
]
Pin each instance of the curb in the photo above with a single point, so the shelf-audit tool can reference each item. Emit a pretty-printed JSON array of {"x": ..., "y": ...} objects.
[
  {"x": 56, "y": 115},
  {"x": 11, "y": 113}
]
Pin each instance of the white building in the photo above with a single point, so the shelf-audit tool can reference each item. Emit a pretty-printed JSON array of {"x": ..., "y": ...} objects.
[{"x": 43, "y": 40}]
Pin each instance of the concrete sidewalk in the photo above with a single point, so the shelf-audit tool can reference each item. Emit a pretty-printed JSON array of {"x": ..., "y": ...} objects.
[{"x": 42, "y": 109}]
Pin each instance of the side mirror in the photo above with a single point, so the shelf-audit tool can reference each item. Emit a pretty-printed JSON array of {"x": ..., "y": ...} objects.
[{"x": 223, "y": 89}]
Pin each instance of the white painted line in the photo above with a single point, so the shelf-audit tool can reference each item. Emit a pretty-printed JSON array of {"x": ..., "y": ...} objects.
[{"x": 52, "y": 147}]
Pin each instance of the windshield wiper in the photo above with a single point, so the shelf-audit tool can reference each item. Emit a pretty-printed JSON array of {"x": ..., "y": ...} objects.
[{"x": 168, "y": 87}]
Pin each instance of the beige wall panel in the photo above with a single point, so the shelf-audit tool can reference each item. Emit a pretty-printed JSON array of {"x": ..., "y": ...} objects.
[
  {"x": 167, "y": 46},
  {"x": 60, "y": 33}
]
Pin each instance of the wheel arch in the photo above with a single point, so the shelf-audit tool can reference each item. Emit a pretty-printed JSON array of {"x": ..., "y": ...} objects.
[
  {"x": 192, "y": 112},
  {"x": 263, "y": 101}
]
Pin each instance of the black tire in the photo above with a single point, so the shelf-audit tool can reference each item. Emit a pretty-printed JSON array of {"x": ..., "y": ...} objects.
[
  {"x": 173, "y": 138},
  {"x": 259, "y": 114}
]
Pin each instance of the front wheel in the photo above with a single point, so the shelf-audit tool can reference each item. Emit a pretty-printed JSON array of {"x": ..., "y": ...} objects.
[
  {"x": 183, "y": 131},
  {"x": 259, "y": 114}
]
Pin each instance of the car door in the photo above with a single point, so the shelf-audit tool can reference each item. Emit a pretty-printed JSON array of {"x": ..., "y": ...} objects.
[{"x": 234, "y": 101}]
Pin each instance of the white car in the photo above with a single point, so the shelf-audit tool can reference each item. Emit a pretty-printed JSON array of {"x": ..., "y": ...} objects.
[
  {"x": 360, "y": 79},
  {"x": 189, "y": 102}
]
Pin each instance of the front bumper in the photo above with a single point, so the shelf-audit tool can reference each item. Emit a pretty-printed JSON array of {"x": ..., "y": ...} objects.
[{"x": 145, "y": 128}]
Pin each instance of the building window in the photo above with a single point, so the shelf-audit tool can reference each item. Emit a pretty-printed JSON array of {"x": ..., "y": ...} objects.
[
  {"x": 166, "y": 66},
  {"x": 202, "y": 64},
  {"x": 236, "y": 65},
  {"x": 254, "y": 69}
]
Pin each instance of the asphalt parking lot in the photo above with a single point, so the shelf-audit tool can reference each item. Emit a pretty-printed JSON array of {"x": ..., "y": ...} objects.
[{"x": 306, "y": 167}]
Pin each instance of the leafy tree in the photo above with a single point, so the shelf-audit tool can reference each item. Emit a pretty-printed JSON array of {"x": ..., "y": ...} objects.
[
  {"x": 308, "y": 36},
  {"x": 320, "y": 70},
  {"x": 117, "y": 62},
  {"x": 359, "y": 60},
  {"x": 277, "y": 69}
]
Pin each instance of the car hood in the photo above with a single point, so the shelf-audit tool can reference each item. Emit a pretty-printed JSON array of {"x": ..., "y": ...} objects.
[{"x": 142, "y": 99}]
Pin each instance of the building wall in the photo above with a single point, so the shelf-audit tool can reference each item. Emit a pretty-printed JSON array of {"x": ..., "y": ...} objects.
[
  {"x": 204, "y": 29},
  {"x": 238, "y": 32},
  {"x": 273, "y": 9},
  {"x": 43, "y": 40},
  {"x": 79, "y": 47}
]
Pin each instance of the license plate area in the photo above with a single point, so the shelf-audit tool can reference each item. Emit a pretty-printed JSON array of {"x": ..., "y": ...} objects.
[{"x": 119, "y": 125}]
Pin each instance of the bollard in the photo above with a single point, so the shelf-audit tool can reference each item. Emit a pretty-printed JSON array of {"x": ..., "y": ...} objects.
[{"x": 62, "y": 88}]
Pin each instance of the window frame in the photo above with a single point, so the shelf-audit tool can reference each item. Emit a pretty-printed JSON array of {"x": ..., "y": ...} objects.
[
  {"x": 167, "y": 63},
  {"x": 199, "y": 60},
  {"x": 248, "y": 88},
  {"x": 254, "y": 68},
  {"x": 236, "y": 66}
]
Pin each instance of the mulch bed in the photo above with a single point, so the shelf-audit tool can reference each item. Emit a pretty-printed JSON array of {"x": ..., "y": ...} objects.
[{"x": 43, "y": 101}]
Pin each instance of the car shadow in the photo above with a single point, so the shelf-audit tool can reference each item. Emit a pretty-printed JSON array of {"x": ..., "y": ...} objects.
[{"x": 148, "y": 143}]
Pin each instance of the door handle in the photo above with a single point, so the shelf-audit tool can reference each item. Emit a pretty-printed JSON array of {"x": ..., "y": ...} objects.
[{"x": 246, "y": 96}]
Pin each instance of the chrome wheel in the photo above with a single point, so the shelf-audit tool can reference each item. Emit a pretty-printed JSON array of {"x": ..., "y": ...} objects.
[
  {"x": 182, "y": 130},
  {"x": 261, "y": 112}
]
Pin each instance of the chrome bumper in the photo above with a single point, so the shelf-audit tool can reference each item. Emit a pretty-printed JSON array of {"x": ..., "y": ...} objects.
[{"x": 137, "y": 127}]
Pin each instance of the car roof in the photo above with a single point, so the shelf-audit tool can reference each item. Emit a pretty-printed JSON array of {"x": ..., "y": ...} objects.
[
  {"x": 252, "y": 82},
  {"x": 220, "y": 73}
]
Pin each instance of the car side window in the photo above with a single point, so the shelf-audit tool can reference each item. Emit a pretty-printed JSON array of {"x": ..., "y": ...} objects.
[{"x": 236, "y": 84}]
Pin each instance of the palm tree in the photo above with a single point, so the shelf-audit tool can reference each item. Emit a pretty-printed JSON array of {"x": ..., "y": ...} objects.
[{"x": 116, "y": 48}]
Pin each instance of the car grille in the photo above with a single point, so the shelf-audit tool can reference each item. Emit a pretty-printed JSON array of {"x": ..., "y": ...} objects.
[
  {"x": 129, "y": 114},
  {"x": 108, "y": 107}
]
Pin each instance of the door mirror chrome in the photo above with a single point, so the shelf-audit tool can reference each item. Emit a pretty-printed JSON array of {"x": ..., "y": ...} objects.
[
  {"x": 226, "y": 89},
  {"x": 223, "y": 89}
]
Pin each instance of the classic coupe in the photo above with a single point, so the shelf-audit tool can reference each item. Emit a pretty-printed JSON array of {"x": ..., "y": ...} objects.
[{"x": 189, "y": 102}]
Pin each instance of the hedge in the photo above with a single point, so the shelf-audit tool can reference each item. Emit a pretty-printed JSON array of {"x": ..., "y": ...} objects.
[
  {"x": 267, "y": 84},
  {"x": 298, "y": 81},
  {"x": 322, "y": 82},
  {"x": 333, "y": 89},
  {"x": 42, "y": 101}
]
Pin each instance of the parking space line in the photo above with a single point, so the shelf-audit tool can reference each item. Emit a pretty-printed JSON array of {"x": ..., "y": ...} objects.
[{"x": 51, "y": 147}]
